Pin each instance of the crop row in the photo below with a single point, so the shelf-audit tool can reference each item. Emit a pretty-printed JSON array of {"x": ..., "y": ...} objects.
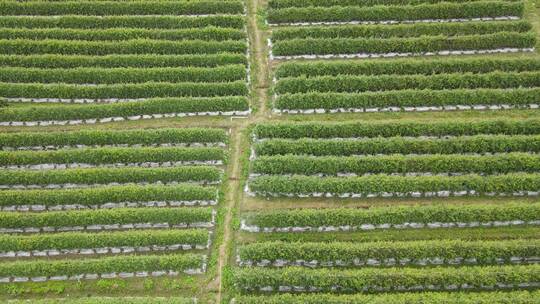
[
  {"x": 123, "y": 91},
  {"x": 108, "y": 8},
  {"x": 414, "y": 45},
  {"x": 444, "y": 10},
  {"x": 121, "y": 61},
  {"x": 123, "y": 300},
  {"x": 100, "y": 176},
  {"x": 100, "y": 156},
  {"x": 388, "y": 279},
  {"x": 118, "y": 34},
  {"x": 509, "y": 297},
  {"x": 401, "y": 30},
  {"x": 402, "y": 145},
  {"x": 440, "y": 213},
  {"x": 79, "y": 240},
  {"x": 155, "y": 106},
  {"x": 73, "y": 267},
  {"x": 277, "y": 4},
  {"x": 415, "y": 252},
  {"x": 358, "y": 84},
  {"x": 406, "y": 66},
  {"x": 436, "y": 164},
  {"x": 454, "y": 127},
  {"x": 135, "y": 46},
  {"x": 144, "y": 137},
  {"x": 105, "y": 217},
  {"x": 507, "y": 184},
  {"x": 123, "y": 75},
  {"x": 90, "y": 197},
  {"x": 104, "y": 22},
  {"x": 403, "y": 99}
]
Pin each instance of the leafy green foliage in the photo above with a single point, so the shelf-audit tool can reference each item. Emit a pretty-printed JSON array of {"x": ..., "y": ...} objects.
[
  {"x": 407, "y": 66},
  {"x": 98, "y": 176},
  {"x": 483, "y": 252},
  {"x": 452, "y": 163},
  {"x": 455, "y": 127},
  {"x": 120, "y": 8},
  {"x": 518, "y": 97},
  {"x": 111, "y": 194},
  {"x": 415, "y": 45},
  {"x": 444, "y": 213},
  {"x": 125, "y": 109},
  {"x": 99, "y": 156},
  {"x": 358, "y": 84},
  {"x": 105, "y": 217},
  {"x": 114, "y": 137},
  {"x": 226, "y": 73},
  {"x": 120, "y": 90},
  {"x": 403, "y": 145},
  {"x": 135, "y": 46},
  {"x": 376, "y": 184},
  {"x": 512, "y": 297},
  {"x": 388, "y": 278},
  {"x": 103, "y": 22},
  {"x": 276, "y": 4},
  {"x": 121, "y": 61},
  {"x": 79, "y": 240},
  {"x": 208, "y": 33},
  {"x": 176, "y": 262},
  {"x": 442, "y": 10},
  {"x": 400, "y": 30}
]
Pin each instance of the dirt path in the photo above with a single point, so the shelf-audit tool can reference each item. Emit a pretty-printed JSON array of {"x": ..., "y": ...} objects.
[
  {"x": 230, "y": 200},
  {"x": 234, "y": 193}
]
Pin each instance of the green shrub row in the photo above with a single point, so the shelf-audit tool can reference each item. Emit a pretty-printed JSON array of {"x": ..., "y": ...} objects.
[
  {"x": 357, "y": 84},
  {"x": 443, "y": 213},
  {"x": 370, "y": 279},
  {"x": 99, "y": 156},
  {"x": 224, "y": 73},
  {"x": 80, "y": 240},
  {"x": 331, "y": 165},
  {"x": 100, "y": 176},
  {"x": 114, "y": 137},
  {"x": 118, "y": 300},
  {"x": 402, "y": 145},
  {"x": 415, "y": 45},
  {"x": 123, "y": 109},
  {"x": 518, "y": 97},
  {"x": 407, "y": 66},
  {"x": 135, "y": 46},
  {"x": 505, "y": 297},
  {"x": 108, "y": 8},
  {"x": 484, "y": 252},
  {"x": 454, "y": 127},
  {"x": 121, "y": 61},
  {"x": 104, "y": 22},
  {"x": 111, "y": 194},
  {"x": 441, "y": 10},
  {"x": 208, "y": 33},
  {"x": 131, "y": 263},
  {"x": 124, "y": 90},
  {"x": 401, "y": 30},
  {"x": 105, "y": 217},
  {"x": 276, "y": 4},
  {"x": 375, "y": 184}
]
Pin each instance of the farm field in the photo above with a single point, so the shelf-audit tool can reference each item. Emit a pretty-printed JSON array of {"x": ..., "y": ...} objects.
[
  {"x": 269, "y": 151},
  {"x": 109, "y": 204},
  {"x": 413, "y": 31},
  {"x": 413, "y": 180},
  {"x": 73, "y": 62}
]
